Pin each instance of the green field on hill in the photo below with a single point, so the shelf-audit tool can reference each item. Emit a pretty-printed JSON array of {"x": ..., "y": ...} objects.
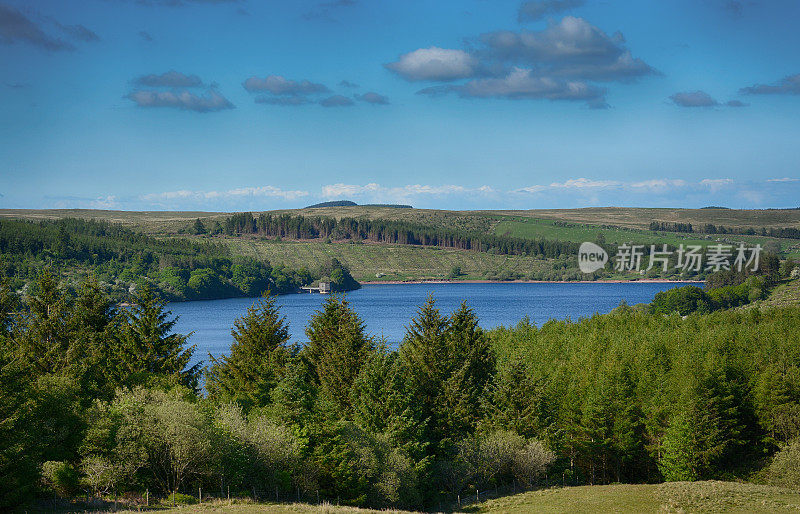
[{"x": 370, "y": 262}]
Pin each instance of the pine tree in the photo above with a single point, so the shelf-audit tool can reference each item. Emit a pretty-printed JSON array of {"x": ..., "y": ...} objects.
[
  {"x": 45, "y": 344},
  {"x": 469, "y": 366},
  {"x": 96, "y": 325},
  {"x": 372, "y": 392},
  {"x": 257, "y": 357},
  {"x": 337, "y": 349},
  {"x": 422, "y": 356},
  {"x": 8, "y": 306},
  {"x": 150, "y": 346},
  {"x": 18, "y": 473}
]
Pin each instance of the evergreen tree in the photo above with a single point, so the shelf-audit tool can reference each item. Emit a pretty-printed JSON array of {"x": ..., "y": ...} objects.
[
  {"x": 469, "y": 366},
  {"x": 422, "y": 365},
  {"x": 337, "y": 349},
  {"x": 96, "y": 325},
  {"x": 372, "y": 393},
  {"x": 257, "y": 357},
  {"x": 151, "y": 349},
  {"x": 8, "y": 307},
  {"x": 46, "y": 342}
]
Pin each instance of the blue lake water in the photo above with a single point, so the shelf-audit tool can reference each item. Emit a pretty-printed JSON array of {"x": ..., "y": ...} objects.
[{"x": 387, "y": 309}]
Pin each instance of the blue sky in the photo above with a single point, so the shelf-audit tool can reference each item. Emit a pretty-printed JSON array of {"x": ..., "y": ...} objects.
[{"x": 471, "y": 104}]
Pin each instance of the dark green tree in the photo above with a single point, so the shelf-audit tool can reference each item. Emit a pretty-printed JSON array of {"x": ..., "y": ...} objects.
[
  {"x": 198, "y": 228},
  {"x": 97, "y": 333},
  {"x": 257, "y": 357},
  {"x": 46, "y": 339},
  {"x": 337, "y": 350},
  {"x": 151, "y": 348}
]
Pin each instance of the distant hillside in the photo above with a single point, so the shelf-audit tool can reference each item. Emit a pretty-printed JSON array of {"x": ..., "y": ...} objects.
[
  {"x": 390, "y": 205},
  {"x": 348, "y": 203},
  {"x": 375, "y": 258},
  {"x": 337, "y": 203}
]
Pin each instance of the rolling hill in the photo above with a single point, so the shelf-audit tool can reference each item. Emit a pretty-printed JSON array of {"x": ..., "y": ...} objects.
[{"x": 379, "y": 261}]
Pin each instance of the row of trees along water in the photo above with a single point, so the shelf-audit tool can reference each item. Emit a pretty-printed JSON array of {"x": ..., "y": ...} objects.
[
  {"x": 389, "y": 231},
  {"x": 120, "y": 258},
  {"x": 99, "y": 401}
]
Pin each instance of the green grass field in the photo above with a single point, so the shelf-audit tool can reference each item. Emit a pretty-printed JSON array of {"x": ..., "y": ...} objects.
[
  {"x": 683, "y": 497},
  {"x": 370, "y": 262},
  {"x": 531, "y": 228},
  {"x": 675, "y": 497},
  {"x": 640, "y": 217}
]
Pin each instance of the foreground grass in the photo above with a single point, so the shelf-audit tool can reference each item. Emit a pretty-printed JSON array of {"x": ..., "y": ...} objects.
[
  {"x": 677, "y": 497},
  {"x": 245, "y": 507},
  {"x": 710, "y": 496}
]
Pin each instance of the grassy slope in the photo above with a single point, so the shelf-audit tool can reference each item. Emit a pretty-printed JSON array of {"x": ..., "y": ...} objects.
[
  {"x": 783, "y": 295},
  {"x": 638, "y": 217},
  {"x": 398, "y": 263},
  {"x": 710, "y": 496},
  {"x": 394, "y": 262}
]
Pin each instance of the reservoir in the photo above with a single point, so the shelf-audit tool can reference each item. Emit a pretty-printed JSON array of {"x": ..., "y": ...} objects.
[{"x": 387, "y": 308}]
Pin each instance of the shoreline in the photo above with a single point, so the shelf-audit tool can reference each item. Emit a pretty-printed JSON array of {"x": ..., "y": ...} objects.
[
  {"x": 484, "y": 281},
  {"x": 445, "y": 281}
]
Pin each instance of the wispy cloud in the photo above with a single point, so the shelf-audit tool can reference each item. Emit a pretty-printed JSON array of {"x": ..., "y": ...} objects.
[
  {"x": 784, "y": 179},
  {"x": 230, "y": 194},
  {"x": 170, "y": 78},
  {"x": 78, "y": 32},
  {"x": 789, "y": 85},
  {"x": 81, "y": 202},
  {"x": 538, "y": 9},
  {"x": 336, "y": 101},
  {"x": 693, "y": 99},
  {"x": 373, "y": 98},
  {"x": 715, "y": 184},
  {"x": 15, "y": 27},
  {"x": 378, "y": 193},
  {"x": 587, "y": 184},
  {"x": 183, "y": 100},
  {"x": 278, "y": 85}
]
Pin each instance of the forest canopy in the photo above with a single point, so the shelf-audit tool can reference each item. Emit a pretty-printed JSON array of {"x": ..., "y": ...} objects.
[
  {"x": 121, "y": 260},
  {"x": 103, "y": 399}
]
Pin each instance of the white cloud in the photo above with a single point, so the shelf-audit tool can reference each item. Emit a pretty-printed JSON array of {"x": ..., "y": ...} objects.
[
  {"x": 660, "y": 183},
  {"x": 238, "y": 193},
  {"x": 715, "y": 184},
  {"x": 530, "y": 189},
  {"x": 434, "y": 63},
  {"x": 784, "y": 179},
  {"x": 377, "y": 193},
  {"x": 105, "y": 202},
  {"x": 585, "y": 183},
  {"x": 521, "y": 83}
]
